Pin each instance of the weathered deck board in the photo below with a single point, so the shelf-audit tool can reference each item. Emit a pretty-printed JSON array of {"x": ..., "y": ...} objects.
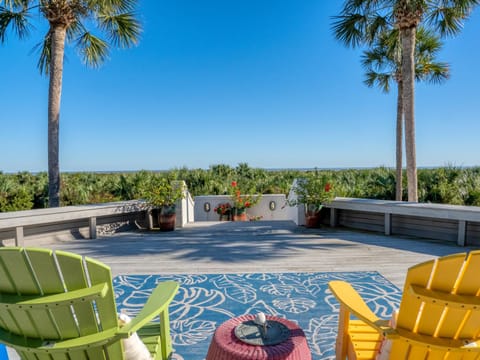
[{"x": 264, "y": 246}]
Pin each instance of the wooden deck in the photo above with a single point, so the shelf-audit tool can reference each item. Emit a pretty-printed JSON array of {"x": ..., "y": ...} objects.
[{"x": 263, "y": 246}]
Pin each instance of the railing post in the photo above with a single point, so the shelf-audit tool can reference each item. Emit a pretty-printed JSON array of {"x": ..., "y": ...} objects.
[
  {"x": 388, "y": 224},
  {"x": 19, "y": 236},
  {"x": 333, "y": 217},
  {"x": 462, "y": 230},
  {"x": 92, "y": 223},
  {"x": 149, "y": 219}
]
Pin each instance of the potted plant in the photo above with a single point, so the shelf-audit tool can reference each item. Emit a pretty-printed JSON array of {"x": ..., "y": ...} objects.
[
  {"x": 313, "y": 191},
  {"x": 163, "y": 195},
  {"x": 224, "y": 210},
  {"x": 240, "y": 203}
]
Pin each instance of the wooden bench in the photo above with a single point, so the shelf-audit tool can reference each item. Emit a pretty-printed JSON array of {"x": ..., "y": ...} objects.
[
  {"x": 16, "y": 221},
  {"x": 460, "y": 214}
]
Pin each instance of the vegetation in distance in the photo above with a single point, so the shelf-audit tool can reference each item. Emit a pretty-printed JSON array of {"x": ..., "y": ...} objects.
[{"x": 24, "y": 190}]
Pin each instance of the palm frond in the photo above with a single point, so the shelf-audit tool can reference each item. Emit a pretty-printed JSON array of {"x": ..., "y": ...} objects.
[
  {"x": 18, "y": 21},
  {"x": 380, "y": 80},
  {"x": 364, "y": 6},
  {"x": 44, "y": 48},
  {"x": 18, "y": 4},
  {"x": 427, "y": 42},
  {"x": 360, "y": 21},
  {"x": 448, "y": 19},
  {"x": 75, "y": 30},
  {"x": 113, "y": 6},
  {"x": 350, "y": 29},
  {"x": 123, "y": 29},
  {"x": 433, "y": 72},
  {"x": 378, "y": 24},
  {"x": 93, "y": 49},
  {"x": 375, "y": 58}
]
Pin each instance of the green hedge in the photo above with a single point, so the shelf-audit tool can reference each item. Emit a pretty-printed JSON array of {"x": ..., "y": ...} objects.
[{"x": 448, "y": 185}]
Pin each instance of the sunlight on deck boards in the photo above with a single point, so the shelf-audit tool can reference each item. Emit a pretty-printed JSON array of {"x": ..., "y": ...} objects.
[{"x": 263, "y": 246}]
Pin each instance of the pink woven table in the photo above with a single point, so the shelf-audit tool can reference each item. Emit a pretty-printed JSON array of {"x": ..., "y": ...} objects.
[{"x": 226, "y": 346}]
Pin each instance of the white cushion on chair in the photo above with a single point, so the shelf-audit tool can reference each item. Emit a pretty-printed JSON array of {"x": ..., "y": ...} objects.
[
  {"x": 386, "y": 346},
  {"x": 133, "y": 347}
]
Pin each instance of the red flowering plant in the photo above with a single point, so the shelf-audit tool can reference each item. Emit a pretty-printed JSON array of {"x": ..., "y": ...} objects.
[
  {"x": 241, "y": 202},
  {"x": 223, "y": 209},
  {"x": 314, "y": 191}
]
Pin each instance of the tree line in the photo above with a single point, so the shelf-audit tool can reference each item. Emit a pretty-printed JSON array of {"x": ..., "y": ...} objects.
[{"x": 24, "y": 190}]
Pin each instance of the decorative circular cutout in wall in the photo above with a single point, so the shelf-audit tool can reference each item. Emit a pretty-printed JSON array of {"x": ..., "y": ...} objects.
[
  {"x": 272, "y": 205},
  {"x": 206, "y": 207}
]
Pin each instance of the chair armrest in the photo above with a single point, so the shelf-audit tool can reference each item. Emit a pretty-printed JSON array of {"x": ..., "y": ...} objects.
[
  {"x": 156, "y": 304},
  {"x": 56, "y": 300},
  {"x": 35, "y": 345},
  {"x": 352, "y": 300}
]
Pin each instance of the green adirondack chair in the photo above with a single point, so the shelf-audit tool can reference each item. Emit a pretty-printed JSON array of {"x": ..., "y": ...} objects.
[{"x": 58, "y": 305}]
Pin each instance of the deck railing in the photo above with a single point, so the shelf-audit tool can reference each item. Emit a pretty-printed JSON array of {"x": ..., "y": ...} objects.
[
  {"x": 77, "y": 220},
  {"x": 460, "y": 224},
  {"x": 83, "y": 221}
]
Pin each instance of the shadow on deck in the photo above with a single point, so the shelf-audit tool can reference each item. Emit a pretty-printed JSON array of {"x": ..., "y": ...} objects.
[{"x": 274, "y": 246}]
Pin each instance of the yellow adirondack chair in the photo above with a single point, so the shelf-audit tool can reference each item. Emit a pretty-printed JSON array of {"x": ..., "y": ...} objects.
[
  {"x": 62, "y": 306},
  {"x": 438, "y": 318}
]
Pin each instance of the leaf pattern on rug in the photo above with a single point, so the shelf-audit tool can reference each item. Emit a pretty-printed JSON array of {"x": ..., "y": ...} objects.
[
  {"x": 236, "y": 288},
  {"x": 135, "y": 282},
  {"x": 277, "y": 290},
  {"x": 191, "y": 332},
  {"x": 185, "y": 279},
  {"x": 294, "y": 305},
  {"x": 204, "y": 301},
  {"x": 322, "y": 333},
  {"x": 262, "y": 306},
  {"x": 190, "y": 303}
]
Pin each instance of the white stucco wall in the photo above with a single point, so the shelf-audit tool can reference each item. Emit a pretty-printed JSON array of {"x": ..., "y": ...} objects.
[{"x": 281, "y": 212}]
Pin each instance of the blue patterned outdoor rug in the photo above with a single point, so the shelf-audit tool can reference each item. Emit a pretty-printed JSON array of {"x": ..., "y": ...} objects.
[{"x": 205, "y": 301}]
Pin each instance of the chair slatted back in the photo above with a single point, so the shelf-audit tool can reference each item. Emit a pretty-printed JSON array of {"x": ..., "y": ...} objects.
[
  {"x": 447, "y": 277},
  {"x": 41, "y": 272}
]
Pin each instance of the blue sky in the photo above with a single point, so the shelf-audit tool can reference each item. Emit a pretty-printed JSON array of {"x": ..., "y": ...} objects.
[{"x": 214, "y": 81}]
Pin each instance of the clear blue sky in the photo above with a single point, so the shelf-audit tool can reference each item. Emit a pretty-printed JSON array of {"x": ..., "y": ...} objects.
[{"x": 215, "y": 81}]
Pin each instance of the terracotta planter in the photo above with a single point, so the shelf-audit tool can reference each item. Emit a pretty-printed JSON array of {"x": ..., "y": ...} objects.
[
  {"x": 167, "y": 222},
  {"x": 239, "y": 215},
  {"x": 166, "y": 218},
  {"x": 312, "y": 219}
]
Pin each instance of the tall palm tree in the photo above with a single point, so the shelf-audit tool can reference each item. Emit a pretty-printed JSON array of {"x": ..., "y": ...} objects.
[
  {"x": 69, "y": 22},
  {"x": 383, "y": 67},
  {"x": 361, "y": 21}
]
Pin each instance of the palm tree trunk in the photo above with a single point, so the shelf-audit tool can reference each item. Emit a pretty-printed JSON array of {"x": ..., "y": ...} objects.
[
  {"x": 408, "y": 73},
  {"x": 54, "y": 96},
  {"x": 399, "y": 143}
]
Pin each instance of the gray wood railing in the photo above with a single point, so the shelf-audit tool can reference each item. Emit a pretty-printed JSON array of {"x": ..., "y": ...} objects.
[
  {"x": 13, "y": 224},
  {"x": 436, "y": 221}
]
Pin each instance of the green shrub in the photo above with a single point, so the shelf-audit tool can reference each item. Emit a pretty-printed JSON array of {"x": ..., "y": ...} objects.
[{"x": 450, "y": 185}]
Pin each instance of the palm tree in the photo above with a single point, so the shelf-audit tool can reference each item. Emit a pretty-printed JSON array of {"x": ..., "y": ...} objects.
[
  {"x": 361, "y": 21},
  {"x": 115, "y": 23},
  {"x": 383, "y": 67}
]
